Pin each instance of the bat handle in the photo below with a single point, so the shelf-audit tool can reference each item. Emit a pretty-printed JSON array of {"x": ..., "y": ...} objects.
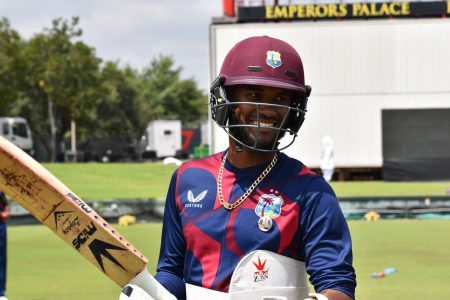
[{"x": 148, "y": 283}]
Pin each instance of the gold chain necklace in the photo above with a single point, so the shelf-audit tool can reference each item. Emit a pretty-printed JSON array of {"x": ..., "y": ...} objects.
[{"x": 241, "y": 199}]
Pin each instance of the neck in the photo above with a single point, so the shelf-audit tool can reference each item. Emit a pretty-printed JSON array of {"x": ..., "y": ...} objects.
[{"x": 247, "y": 157}]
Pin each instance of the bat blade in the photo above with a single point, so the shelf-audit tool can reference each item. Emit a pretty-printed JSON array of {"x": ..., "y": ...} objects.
[{"x": 28, "y": 183}]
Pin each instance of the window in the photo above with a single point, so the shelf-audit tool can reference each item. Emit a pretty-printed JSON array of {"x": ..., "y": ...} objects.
[
  {"x": 5, "y": 129},
  {"x": 20, "y": 129}
]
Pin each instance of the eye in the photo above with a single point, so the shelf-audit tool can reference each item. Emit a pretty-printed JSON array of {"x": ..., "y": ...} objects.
[
  {"x": 253, "y": 96},
  {"x": 283, "y": 99}
]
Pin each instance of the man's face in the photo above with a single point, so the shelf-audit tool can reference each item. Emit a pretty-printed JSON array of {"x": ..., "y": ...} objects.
[{"x": 269, "y": 116}]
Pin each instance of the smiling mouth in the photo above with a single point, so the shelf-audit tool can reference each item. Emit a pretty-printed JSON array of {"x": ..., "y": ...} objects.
[{"x": 262, "y": 123}]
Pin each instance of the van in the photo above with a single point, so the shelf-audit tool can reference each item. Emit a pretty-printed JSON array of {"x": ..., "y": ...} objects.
[
  {"x": 162, "y": 139},
  {"x": 17, "y": 131}
]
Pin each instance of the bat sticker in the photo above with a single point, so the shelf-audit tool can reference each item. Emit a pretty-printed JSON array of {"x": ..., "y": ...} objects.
[
  {"x": 66, "y": 221},
  {"x": 84, "y": 235},
  {"x": 80, "y": 203},
  {"x": 100, "y": 248}
]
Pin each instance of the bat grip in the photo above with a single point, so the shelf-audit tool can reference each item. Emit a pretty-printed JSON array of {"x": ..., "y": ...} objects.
[{"x": 148, "y": 283}]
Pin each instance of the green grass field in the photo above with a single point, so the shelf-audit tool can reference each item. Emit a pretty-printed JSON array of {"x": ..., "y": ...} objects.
[
  {"x": 98, "y": 181},
  {"x": 43, "y": 267},
  {"x": 150, "y": 180}
]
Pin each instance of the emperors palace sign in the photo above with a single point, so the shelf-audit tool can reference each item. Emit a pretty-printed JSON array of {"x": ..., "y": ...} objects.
[{"x": 345, "y": 11}]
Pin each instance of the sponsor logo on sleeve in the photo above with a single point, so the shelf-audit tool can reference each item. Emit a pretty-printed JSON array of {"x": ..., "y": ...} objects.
[{"x": 195, "y": 201}]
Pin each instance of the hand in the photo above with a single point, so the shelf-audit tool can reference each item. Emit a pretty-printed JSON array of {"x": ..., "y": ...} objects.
[{"x": 4, "y": 215}]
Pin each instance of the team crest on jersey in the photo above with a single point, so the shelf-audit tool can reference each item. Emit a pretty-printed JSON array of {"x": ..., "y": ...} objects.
[
  {"x": 269, "y": 206},
  {"x": 273, "y": 59},
  {"x": 194, "y": 201},
  {"x": 261, "y": 273}
]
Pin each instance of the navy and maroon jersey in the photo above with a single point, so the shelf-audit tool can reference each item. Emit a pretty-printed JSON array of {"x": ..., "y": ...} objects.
[{"x": 202, "y": 242}]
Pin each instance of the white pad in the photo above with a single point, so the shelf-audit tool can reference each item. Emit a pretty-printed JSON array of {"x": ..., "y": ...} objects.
[
  {"x": 262, "y": 269},
  {"x": 151, "y": 286},
  {"x": 260, "y": 275}
]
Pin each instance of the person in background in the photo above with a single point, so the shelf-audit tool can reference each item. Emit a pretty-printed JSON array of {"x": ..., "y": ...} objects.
[
  {"x": 327, "y": 158},
  {"x": 4, "y": 216}
]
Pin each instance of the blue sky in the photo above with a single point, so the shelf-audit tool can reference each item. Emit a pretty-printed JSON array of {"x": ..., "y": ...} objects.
[{"x": 132, "y": 32}]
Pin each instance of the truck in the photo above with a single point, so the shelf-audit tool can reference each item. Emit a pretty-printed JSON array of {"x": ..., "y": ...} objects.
[
  {"x": 162, "y": 138},
  {"x": 17, "y": 131}
]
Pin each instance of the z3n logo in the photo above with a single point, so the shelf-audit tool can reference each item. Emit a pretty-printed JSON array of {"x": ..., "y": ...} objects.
[
  {"x": 261, "y": 272},
  {"x": 194, "y": 201},
  {"x": 84, "y": 235}
]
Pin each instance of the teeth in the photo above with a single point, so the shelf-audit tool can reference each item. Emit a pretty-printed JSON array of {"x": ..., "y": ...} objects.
[{"x": 263, "y": 124}]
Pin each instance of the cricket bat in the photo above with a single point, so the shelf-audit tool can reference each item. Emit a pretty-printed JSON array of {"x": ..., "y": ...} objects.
[{"x": 32, "y": 186}]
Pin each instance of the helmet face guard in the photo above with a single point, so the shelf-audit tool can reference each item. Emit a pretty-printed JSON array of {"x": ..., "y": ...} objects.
[
  {"x": 261, "y": 61},
  {"x": 222, "y": 112}
]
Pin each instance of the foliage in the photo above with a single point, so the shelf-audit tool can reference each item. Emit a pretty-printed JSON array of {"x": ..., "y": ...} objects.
[
  {"x": 11, "y": 66},
  {"x": 54, "y": 79},
  {"x": 164, "y": 95},
  {"x": 61, "y": 80},
  {"x": 115, "y": 112}
]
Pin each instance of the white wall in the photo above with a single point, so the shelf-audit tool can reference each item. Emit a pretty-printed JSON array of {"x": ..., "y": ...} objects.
[{"x": 356, "y": 69}]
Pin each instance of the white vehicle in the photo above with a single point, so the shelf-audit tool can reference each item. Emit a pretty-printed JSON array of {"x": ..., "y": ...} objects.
[
  {"x": 16, "y": 130},
  {"x": 162, "y": 138}
]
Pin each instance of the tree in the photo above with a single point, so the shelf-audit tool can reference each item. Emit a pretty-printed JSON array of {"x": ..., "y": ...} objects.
[
  {"x": 55, "y": 80},
  {"x": 115, "y": 110},
  {"x": 164, "y": 95},
  {"x": 11, "y": 66},
  {"x": 62, "y": 75}
]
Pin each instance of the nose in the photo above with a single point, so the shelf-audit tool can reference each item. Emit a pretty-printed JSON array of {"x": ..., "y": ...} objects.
[
  {"x": 268, "y": 108},
  {"x": 269, "y": 113}
]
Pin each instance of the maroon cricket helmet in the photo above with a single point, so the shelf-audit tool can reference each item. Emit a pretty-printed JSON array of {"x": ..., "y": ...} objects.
[{"x": 263, "y": 60}]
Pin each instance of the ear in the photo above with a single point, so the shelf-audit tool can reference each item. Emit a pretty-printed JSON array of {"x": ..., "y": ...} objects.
[{"x": 219, "y": 104}]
